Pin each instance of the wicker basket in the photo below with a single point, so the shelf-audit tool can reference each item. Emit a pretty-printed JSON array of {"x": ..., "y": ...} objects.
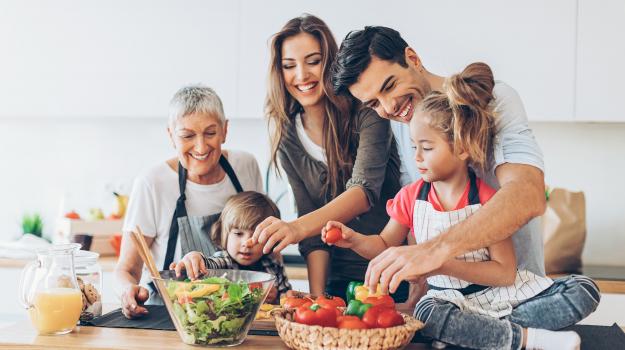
[{"x": 304, "y": 337}]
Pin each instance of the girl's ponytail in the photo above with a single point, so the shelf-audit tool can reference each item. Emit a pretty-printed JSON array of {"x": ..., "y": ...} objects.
[{"x": 469, "y": 94}]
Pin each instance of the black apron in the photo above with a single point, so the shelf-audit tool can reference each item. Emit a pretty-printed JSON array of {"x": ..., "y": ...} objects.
[{"x": 194, "y": 231}]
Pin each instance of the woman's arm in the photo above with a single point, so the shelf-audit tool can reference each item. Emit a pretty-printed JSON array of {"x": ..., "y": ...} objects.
[
  {"x": 128, "y": 274},
  {"x": 500, "y": 271},
  {"x": 362, "y": 193},
  {"x": 312, "y": 249}
]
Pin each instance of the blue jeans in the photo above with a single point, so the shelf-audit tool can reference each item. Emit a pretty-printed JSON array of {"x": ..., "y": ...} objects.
[{"x": 568, "y": 301}]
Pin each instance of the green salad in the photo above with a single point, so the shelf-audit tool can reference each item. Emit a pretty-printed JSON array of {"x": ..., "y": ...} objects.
[{"x": 214, "y": 310}]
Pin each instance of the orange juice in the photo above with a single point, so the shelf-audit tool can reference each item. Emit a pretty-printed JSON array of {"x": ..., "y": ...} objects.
[{"x": 56, "y": 310}]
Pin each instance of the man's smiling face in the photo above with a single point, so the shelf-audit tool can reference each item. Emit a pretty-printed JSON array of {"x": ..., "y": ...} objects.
[{"x": 390, "y": 89}]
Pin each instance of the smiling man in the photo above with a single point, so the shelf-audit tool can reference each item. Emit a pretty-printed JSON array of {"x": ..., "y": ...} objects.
[{"x": 377, "y": 66}]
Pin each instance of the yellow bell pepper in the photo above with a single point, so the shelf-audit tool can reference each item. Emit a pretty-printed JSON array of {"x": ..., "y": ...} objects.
[
  {"x": 199, "y": 292},
  {"x": 362, "y": 292}
]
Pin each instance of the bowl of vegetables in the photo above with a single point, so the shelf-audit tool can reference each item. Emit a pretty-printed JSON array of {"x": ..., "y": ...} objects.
[{"x": 218, "y": 308}]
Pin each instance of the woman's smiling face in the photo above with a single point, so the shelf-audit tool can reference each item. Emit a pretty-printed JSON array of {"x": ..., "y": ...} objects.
[
  {"x": 302, "y": 68},
  {"x": 197, "y": 138}
]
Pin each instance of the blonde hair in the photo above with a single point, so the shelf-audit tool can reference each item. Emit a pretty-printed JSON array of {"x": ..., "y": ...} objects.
[
  {"x": 281, "y": 107},
  {"x": 244, "y": 210},
  {"x": 462, "y": 112}
]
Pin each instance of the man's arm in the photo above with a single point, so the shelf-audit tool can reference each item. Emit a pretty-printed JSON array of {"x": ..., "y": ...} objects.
[{"x": 521, "y": 198}]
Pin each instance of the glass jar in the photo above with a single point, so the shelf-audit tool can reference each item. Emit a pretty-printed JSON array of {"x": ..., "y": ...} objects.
[{"x": 89, "y": 277}]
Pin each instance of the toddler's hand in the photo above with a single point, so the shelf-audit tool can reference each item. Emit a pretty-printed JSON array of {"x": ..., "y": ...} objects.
[
  {"x": 335, "y": 233},
  {"x": 193, "y": 262}
]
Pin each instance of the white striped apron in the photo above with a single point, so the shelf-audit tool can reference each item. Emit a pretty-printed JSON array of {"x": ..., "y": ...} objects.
[{"x": 493, "y": 301}]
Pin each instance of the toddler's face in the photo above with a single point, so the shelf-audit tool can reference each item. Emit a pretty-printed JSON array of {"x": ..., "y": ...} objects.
[
  {"x": 240, "y": 247},
  {"x": 435, "y": 158}
]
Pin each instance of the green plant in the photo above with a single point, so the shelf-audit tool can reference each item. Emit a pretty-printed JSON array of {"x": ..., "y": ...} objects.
[{"x": 32, "y": 224}]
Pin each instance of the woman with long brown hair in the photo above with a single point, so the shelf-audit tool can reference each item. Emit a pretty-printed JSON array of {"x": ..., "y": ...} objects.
[{"x": 340, "y": 159}]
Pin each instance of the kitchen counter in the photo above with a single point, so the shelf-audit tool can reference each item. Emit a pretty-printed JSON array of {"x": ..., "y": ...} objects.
[{"x": 22, "y": 335}]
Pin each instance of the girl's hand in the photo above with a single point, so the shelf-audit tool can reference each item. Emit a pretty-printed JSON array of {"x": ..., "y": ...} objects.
[
  {"x": 132, "y": 301},
  {"x": 193, "y": 263},
  {"x": 275, "y": 235},
  {"x": 347, "y": 239}
]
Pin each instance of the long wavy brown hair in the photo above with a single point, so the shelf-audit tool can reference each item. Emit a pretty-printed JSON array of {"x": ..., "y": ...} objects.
[{"x": 281, "y": 108}]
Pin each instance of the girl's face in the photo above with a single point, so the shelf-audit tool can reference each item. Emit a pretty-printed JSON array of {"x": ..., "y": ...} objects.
[
  {"x": 301, "y": 69},
  {"x": 198, "y": 138},
  {"x": 242, "y": 251},
  {"x": 435, "y": 158}
]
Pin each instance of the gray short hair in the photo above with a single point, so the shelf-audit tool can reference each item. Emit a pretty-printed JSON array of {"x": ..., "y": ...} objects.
[{"x": 195, "y": 99}]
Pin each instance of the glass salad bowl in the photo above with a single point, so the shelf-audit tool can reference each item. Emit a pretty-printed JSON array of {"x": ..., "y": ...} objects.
[{"x": 217, "y": 309}]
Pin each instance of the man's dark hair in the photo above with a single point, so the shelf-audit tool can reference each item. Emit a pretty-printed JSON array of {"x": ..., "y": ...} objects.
[{"x": 356, "y": 50}]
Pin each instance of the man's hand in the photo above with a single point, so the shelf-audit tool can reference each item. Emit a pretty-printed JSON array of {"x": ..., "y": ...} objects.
[{"x": 404, "y": 263}]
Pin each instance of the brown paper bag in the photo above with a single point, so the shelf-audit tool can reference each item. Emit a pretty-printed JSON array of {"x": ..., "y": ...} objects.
[{"x": 564, "y": 231}]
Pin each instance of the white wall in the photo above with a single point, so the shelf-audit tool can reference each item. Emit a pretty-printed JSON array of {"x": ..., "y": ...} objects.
[{"x": 83, "y": 160}]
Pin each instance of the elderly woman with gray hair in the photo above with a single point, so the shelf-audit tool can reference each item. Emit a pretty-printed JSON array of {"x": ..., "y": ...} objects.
[{"x": 175, "y": 202}]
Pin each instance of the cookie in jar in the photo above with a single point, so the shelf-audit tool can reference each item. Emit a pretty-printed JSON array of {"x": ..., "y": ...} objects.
[{"x": 89, "y": 277}]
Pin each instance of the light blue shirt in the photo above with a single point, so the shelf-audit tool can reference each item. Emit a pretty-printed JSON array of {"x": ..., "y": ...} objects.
[{"x": 514, "y": 143}]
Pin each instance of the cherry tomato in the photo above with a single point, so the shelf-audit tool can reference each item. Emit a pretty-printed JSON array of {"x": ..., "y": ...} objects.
[
  {"x": 333, "y": 235},
  {"x": 389, "y": 318},
  {"x": 352, "y": 323},
  {"x": 184, "y": 299},
  {"x": 327, "y": 301},
  {"x": 255, "y": 285}
]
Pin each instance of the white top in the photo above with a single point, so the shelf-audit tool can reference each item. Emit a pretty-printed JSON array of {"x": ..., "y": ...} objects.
[
  {"x": 310, "y": 147},
  {"x": 155, "y": 192},
  {"x": 514, "y": 143}
]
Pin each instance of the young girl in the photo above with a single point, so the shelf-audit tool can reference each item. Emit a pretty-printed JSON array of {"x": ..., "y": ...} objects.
[
  {"x": 238, "y": 219},
  {"x": 478, "y": 300}
]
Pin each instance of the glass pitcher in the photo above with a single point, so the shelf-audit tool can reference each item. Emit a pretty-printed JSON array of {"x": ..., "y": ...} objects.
[{"x": 49, "y": 290}]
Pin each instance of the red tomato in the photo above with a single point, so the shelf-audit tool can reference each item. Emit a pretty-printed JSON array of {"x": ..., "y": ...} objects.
[
  {"x": 328, "y": 301},
  {"x": 352, "y": 323},
  {"x": 184, "y": 299},
  {"x": 295, "y": 302},
  {"x": 370, "y": 317},
  {"x": 255, "y": 285},
  {"x": 384, "y": 300},
  {"x": 389, "y": 318},
  {"x": 333, "y": 235}
]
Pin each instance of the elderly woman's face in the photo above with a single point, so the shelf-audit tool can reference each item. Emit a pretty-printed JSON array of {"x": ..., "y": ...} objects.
[{"x": 198, "y": 138}]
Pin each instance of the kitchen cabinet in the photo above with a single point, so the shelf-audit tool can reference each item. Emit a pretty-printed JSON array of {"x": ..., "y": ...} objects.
[
  {"x": 600, "y": 68},
  {"x": 113, "y": 58},
  {"x": 529, "y": 45}
]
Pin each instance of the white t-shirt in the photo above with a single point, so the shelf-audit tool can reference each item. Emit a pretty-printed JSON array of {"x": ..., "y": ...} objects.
[
  {"x": 155, "y": 192},
  {"x": 314, "y": 150}
]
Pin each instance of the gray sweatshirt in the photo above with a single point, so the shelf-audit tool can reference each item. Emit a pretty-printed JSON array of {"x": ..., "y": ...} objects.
[{"x": 376, "y": 171}]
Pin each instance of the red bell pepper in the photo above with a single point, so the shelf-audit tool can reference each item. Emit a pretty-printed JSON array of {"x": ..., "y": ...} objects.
[{"x": 315, "y": 315}]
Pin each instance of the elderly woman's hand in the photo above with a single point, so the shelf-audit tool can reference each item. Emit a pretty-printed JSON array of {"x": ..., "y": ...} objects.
[
  {"x": 132, "y": 299},
  {"x": 276, "y": 234}
]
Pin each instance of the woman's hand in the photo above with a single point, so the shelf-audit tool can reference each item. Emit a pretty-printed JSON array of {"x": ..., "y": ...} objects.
[
  {"x": 276, "y": 234},
  {"x": 347, "y": 239},
  {"x": 193, "y": 263},
  {"x": 132, "y": 299}
]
